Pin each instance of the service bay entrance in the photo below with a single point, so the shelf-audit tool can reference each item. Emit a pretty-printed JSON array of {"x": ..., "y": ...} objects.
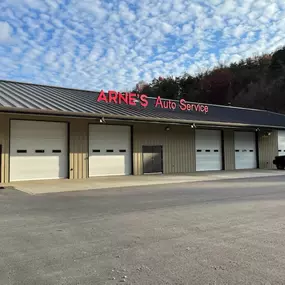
[
  {"x": 245, "y": 150},
  {"x": 208, "y": 150},
  {"x": 109, "y": 150},
  {"x": 38, "y": 150},
  {"x": 281, "y": 143}
]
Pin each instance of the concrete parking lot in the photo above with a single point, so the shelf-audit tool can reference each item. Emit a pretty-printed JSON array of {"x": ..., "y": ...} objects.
[{"x": 211, "y": 232}]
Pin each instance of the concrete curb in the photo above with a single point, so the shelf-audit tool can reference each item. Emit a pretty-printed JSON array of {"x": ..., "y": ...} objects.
[{"x": 68, "y": 186}]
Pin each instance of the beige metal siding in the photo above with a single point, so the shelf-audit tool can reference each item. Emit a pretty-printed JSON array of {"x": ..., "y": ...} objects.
[
  {"x": 179, "y": 155},
  {"x": 178, "y": 147},
  {"x": 4, "y": 141},
  {"x": 268, "y": 149},
  {"x": 78, "y": 149},
  {"x": 229, "y": 149}
]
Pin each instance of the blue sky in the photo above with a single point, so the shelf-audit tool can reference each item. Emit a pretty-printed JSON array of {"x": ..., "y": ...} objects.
[{"x": 93, "y": 44}]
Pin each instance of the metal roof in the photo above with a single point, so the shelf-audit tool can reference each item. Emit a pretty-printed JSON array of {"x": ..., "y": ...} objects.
[{"x": 21, "y": 97}]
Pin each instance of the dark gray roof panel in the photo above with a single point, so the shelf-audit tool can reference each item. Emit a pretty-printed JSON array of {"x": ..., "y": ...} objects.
[{"x": 38, "y": 97}]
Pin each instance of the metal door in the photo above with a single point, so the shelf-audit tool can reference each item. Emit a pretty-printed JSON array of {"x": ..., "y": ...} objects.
[
  {"x": 152, "y": 159},
  {"x": 157, "y": 159},
  {"x": 147, "y": 159}
]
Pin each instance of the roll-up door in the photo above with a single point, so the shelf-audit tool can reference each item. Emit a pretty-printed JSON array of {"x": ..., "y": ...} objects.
[
  {"x": 245, "y": 150},
  {"x": 208, "y": 150},
  {"x": 109, "y": 150},
  {"x": 281, "y": 142},
  {"x": 38, "y": 150}
]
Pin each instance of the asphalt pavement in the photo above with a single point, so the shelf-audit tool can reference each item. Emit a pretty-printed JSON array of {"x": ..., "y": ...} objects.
[{"x": 215, "y": 232}]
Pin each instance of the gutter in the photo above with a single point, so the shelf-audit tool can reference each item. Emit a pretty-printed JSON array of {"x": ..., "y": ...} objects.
[{"x": 13, "y": 110}]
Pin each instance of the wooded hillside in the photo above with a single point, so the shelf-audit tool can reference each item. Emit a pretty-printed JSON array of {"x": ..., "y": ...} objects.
[{"x": 257, "y": 82}]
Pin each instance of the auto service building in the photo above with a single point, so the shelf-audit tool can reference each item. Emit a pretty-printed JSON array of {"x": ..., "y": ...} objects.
[{"x": 51, "y": 133}]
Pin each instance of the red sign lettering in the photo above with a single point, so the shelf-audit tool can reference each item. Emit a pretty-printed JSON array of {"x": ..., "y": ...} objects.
[
  {"x": 144, "y": 101},
  {"x": 184, "y": 106},
  {"x": 112, "y": 96},
  {"x": 102, "y": 97},
  {"x": 122, "y": 98},
  {"x": 168, "y": 104},
  {"x": 158, "y": 102},
  {"x": 134, "y": 99}
]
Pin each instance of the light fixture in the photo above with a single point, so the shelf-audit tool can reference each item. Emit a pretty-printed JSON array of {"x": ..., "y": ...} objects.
[
  {"x": 257, "y": 130},
  {"x": 266, "y": 134},
  {"x": 102, "y": 120},
  {"x": 193, "y": 126},
  {"x": 167, "y": 129}
]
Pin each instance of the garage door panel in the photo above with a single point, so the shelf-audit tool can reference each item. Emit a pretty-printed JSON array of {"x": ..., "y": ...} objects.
[
  {"x": 38, "y": 150},
  {"x": 38, "y": 170},
  {"x": 109, "y": 164},
  {"x": 208, "y": 150},
  {"x": 109, "y": 150},
  {"x": 281, "y": 142},
  {"x": 245, "y": 150},
  {"x": 209, "y": 161}
]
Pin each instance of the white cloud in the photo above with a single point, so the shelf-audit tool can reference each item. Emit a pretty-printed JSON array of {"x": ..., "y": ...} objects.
[
  {"x": 97, "y": 44},
  {"x": 50, "y": 57},
  {"x": 227, "y": 7},
  {"x": 235, "y": 58},
  {"x": 166, "y": 28},
  {"x": 270, "y": 10},
  {"x": 52, "y": 3},
  {"x": 94, "y": 7},
  {"x": 187, "y": 29},
  {"x": 95, "y": 53},
  {"x": 16, "y": 50},
  {"x": 23, "y": 5},
  {"x": 239, "y": 31},
  {"x": 126, "y": 14},
  {"x": 5, "y": 32}
]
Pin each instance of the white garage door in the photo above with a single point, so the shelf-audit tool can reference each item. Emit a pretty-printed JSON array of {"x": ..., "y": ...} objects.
[
  {"x": 109, "y": 150},
  {"x": 281, "y": 142},
  {"x": 208, "y": 150},
  {"x": 38, "y": 150},
  {"x": 245, "y": 150}
]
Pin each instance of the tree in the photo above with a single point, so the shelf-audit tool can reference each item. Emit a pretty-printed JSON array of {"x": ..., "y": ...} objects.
[
  {"x": 190, "y": 87},
  {"x": 278, "y": 63},
  {"x": 164, "y": 87},
  {"x": 216, "y": 85},
  {"x": 256, "y": 82}
]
